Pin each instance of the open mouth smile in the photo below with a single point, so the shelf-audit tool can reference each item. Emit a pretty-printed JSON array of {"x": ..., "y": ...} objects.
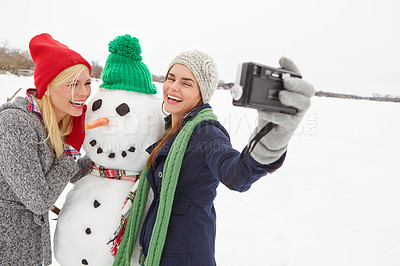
[
  {"x": 77, "y": 103},
  {"x": 174, "y": 98}
]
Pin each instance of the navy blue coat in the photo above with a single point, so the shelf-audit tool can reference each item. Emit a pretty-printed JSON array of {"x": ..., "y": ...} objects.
[{"x": 209, "y": 159}]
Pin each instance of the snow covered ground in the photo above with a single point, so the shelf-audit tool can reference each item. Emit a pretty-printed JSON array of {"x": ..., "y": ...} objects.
[{"x": 334, "y": 202}]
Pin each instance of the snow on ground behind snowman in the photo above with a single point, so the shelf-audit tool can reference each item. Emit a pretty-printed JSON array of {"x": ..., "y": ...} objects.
[{"x": 335, "y": 200}]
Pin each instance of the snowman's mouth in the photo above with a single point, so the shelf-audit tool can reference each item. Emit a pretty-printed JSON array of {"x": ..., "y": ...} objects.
[{"x": 112, "y": 154}]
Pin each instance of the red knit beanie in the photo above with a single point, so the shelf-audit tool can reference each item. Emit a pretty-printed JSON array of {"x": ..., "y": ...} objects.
[{"x": 51, "y": 58}]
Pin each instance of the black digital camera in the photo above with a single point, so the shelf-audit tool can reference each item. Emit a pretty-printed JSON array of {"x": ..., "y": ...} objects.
[{"x": 258, "y": 86}]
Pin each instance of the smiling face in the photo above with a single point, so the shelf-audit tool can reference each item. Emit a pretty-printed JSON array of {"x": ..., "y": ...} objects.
[
  {"x": 68, "y": 98},
  {"x": 181, "y": 92}
]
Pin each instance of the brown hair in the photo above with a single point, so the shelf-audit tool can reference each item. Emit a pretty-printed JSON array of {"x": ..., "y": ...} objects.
[{"x": 169, "y": 133}]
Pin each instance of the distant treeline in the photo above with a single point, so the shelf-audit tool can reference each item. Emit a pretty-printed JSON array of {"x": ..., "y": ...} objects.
[
  {"x": 375, "y": 97},
  {"x": 14, "y": 60},
  {"x": 19, "y": 62}
]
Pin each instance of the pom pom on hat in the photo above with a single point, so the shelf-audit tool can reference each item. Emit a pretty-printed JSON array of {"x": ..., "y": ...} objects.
[
  {"x": 51, "y": 58},
  {"x": 203, "y": 68},
  {"x": 124, "y": 69},
  {"x": 126, "y": 46}
]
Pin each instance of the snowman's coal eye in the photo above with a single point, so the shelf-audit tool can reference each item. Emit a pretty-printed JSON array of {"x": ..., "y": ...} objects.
[
  {"x": 96, "y": 105},
  {"x": 122, "y": 109}
]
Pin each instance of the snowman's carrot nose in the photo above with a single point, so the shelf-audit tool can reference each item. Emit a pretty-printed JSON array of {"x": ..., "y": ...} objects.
[{"x": 97, "y": 123}]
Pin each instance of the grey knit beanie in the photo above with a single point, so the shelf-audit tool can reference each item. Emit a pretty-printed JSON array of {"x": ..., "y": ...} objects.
[{"x": 204, "y": 70}]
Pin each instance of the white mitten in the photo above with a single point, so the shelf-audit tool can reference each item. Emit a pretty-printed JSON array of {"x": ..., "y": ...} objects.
[{"x": 297, "y": 94}]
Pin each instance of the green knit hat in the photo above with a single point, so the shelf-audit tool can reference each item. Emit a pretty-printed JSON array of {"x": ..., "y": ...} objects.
[{"x": 124, "y": 69}]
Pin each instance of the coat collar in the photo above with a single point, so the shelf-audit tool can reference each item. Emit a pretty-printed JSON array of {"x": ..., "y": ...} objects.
[
  {"x": 194, "y": 112},
  {"x": 31, "y": 94},
  {"x": 165, "y": 149}
]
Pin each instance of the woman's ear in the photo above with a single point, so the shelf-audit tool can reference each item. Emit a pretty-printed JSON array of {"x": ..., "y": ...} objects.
[{"x": 47, "y": 92}]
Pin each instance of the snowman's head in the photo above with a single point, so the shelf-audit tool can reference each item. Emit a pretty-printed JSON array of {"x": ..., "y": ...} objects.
[
  {"x": 124, "y": 116},
  {"x": 123, "y": 125}
]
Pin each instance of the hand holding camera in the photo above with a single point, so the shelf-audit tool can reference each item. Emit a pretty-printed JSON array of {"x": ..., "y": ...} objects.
[{"x": 288, "y": 98}]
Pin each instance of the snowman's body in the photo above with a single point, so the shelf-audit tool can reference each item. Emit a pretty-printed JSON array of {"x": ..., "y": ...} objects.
[{"x": 92, "y": 209}]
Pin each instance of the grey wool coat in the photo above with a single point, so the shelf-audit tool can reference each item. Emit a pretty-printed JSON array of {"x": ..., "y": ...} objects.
[{"x": 31, "y": 179}]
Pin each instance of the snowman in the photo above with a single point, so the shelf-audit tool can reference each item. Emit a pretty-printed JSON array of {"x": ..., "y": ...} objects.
[{"x": 123, "y": 119}]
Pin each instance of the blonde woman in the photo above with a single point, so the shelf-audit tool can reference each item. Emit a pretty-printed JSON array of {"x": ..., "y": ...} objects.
[{"x": 40, "y": 133}]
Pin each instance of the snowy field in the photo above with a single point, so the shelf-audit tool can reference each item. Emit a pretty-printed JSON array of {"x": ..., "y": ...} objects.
[{"x": 334, "y": 202}]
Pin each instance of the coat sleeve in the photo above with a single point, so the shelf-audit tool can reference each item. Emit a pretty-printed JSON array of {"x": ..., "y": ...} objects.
[
  {"x": 21, "y": 168},
  {"x": 236, "y": 170},
  {"x": 84, "y": 168}
]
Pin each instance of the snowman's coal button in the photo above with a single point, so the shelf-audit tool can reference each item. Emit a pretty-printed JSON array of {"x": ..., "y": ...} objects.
[
  {"x": 99, "y": 150},
  {"x": 88, "y": 231},
  {"x": 96, "y": 105},
  {"x": 160, "y": 174},
  {"x": 112, "y": 155},
  {"x": 96, "y": 204},
  {"x": 84, "y": 262},
  {"x": 93, "y": 142},
  {"x": 122, "y": 109},
  {"x": 132, "y": 149},
  {"x": 123, "y": 154}
]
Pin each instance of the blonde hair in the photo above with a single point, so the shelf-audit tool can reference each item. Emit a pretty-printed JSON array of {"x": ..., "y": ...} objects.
[{"x": 58, "y": 131}]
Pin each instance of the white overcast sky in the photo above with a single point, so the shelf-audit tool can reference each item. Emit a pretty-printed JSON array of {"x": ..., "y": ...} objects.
[{"x": 349, "y": 46}]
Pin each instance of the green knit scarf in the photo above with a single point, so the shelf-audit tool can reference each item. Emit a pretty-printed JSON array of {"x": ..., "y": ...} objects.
[{"x": 172, "y": 168}]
